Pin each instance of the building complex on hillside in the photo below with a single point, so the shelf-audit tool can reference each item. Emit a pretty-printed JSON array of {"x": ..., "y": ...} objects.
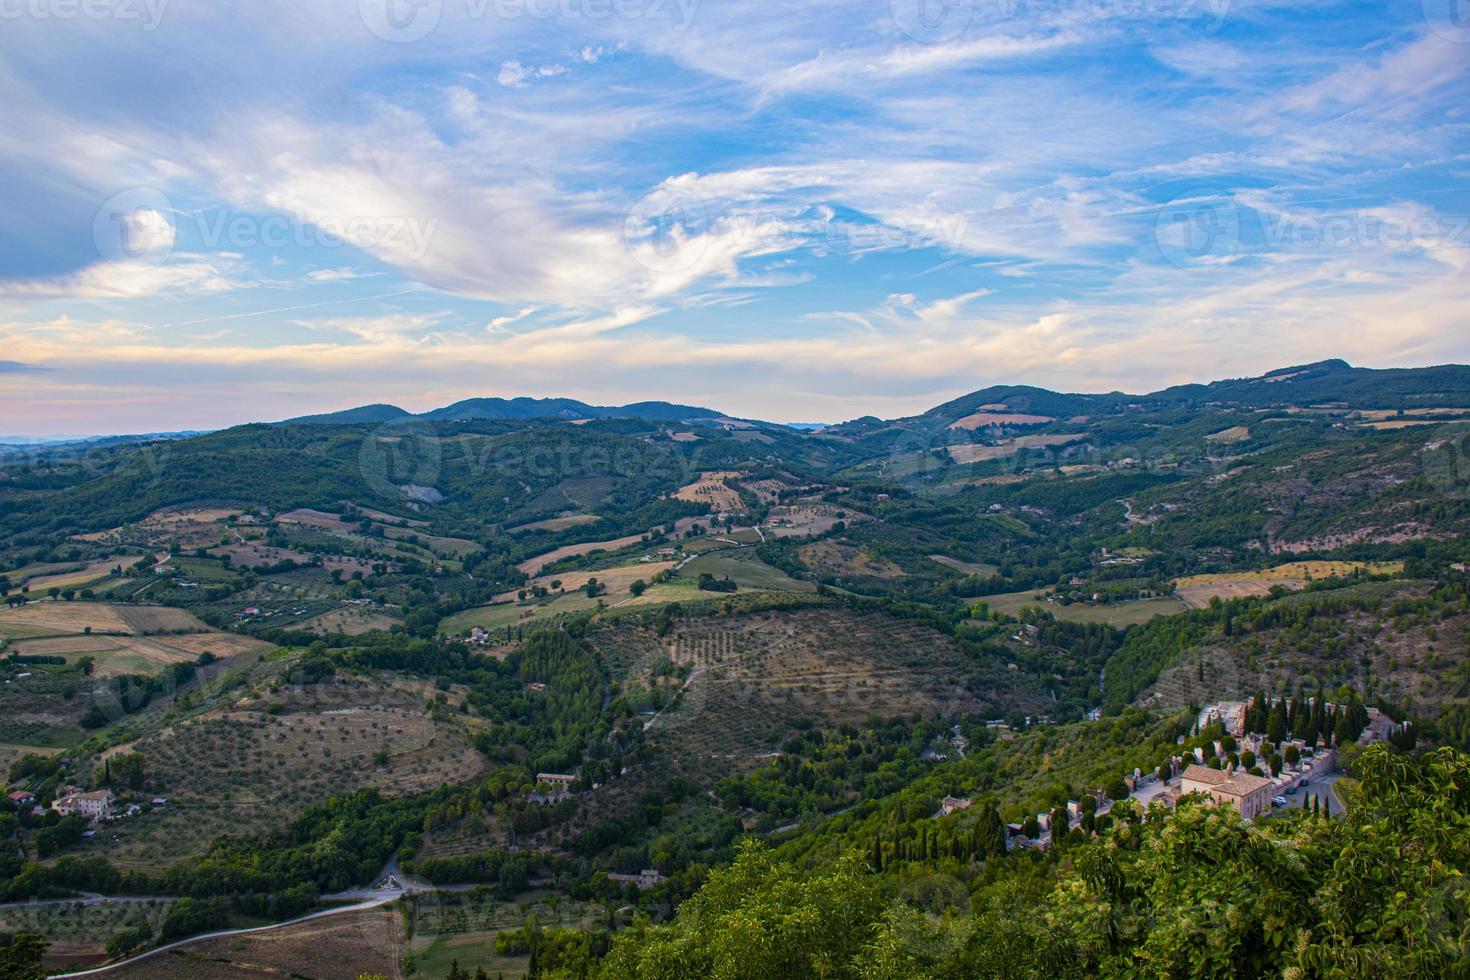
[
  {"x": 93, "y": 806},
  {"x": 1250, "y": 795},
  {"x": 951, "y": 804},
  {"x": 645, "y": 879}
]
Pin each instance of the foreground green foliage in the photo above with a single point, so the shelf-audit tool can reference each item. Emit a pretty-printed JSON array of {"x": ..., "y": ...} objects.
[{"x": 1196, "y": 892}]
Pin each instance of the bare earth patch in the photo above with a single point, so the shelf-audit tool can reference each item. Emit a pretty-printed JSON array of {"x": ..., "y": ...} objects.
[
  {"x": 340, "y": 946},
  {"x": 980, "y": 420},
  {"x": 712, "y": 489},
  {"x": 970, "y": 453}
]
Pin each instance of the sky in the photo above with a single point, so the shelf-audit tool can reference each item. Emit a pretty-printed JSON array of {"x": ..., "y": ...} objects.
[{"x": 217, "y": 213}]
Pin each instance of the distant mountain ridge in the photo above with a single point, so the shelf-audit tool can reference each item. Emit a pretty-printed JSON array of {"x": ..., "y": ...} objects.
[
  {"x": 1337, "y": 382},
  {"x": 1327, "y": 382},
  {"x": 519, "y": 409},
  {"x": 1332, "y": 381}
]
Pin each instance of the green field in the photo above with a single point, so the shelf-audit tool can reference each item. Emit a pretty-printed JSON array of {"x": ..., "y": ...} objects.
[
  {"x": 26, "y": 631},
  {"x": 1117, "y": 614},
  {"x": 968, "y": 567},
  {"x": 511, "y": 613},
  {"x": 748, "y": 573},
  {"x": 22, "y": 575},
  {"x": 203, "y": 569},
  {"x": 462, "y": 928}
]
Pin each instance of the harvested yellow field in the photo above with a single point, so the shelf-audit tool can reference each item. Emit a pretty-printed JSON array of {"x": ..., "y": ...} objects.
[
  {"x": 533, "y": 565},
  {"x": 68, "y": 617},
  {"x": 222, "y": 645},
  {"x": 71, "y": 645},
  {"x": 557, "y": 523},
  {"x": 617, "y": 580},
  {"x": 93, "y": 572},
  {"x": 101, "y": 617},
  {"x": 980, "y": 420},
  {"x": 115, "y": 655},
  {"x": 307, "y": 517},
  {"x": 969, "y": 453},
  {"x": 1198, "y": 590},
  {"x": 159, "y": 619},
  {"x": 1391, "y": 413},
  {"x": 1238, "y": 433}
]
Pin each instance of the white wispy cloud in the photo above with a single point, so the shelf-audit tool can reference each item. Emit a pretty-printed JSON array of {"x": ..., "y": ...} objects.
[{"x": 824, "y": 205}]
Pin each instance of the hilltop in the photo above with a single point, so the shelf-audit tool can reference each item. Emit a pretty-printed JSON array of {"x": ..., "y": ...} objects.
[
  {"x": 522, "y": 409},
  {"x": 535, "y": 640}
]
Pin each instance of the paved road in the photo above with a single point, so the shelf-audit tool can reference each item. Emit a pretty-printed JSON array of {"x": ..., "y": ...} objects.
[
  {"x": 1320, "y": 787},
  {"x": 1150, "y": 791}
]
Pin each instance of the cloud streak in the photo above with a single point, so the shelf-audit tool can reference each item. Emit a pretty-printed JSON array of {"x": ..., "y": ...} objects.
[{"x": 796, "y": 205}]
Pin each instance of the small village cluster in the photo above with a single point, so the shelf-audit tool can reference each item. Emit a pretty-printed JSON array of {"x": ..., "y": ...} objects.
[
  {"x": 1213, "y": 772},
  {"x": 95, "y": 805}
]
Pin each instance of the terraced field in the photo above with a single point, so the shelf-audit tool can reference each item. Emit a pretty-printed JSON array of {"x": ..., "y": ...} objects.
[
  {"x": 1406, "y": 662},
  {"x": 751, "y": 675},
  {"x": 714, "y": 490},
  {"x": 848, "y": 561},
  {"x": 256, "y": 764}
]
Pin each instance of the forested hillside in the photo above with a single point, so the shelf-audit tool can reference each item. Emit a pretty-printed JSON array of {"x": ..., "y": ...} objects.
[
  {"x": 646, "y": 696},
  {"x": 1195, "y": 892}
]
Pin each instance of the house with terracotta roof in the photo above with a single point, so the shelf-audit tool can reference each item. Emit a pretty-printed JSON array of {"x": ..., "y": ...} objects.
[
  {"x": 952, "y": 804},
  {"x": 93, "y": 806},
  {"x": 1250, "y": 795},
  {"x": 21, "y": 798}
]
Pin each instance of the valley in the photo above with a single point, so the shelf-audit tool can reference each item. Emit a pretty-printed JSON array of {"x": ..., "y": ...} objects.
[{"x": 579, "y": 691}]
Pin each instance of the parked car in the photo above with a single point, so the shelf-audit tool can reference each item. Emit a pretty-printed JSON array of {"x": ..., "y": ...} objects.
[{"x": 1278, "y": 801}]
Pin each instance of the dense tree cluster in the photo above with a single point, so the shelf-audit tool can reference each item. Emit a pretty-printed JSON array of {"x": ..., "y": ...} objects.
[{"x": 1197, "y": 892}]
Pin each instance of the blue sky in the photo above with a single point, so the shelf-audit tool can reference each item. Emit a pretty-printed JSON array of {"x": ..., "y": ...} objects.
[{"x": 800, "y": 212}]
